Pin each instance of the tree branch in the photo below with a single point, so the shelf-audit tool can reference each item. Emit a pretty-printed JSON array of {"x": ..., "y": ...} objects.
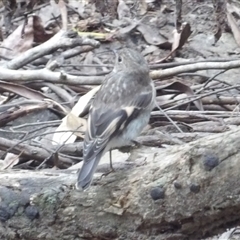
[{"x": 60, "y": 40}]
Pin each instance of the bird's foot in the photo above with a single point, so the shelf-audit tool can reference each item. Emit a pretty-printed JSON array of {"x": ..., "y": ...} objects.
[
  {"x": 136, "y": 144},
  {"x": 108, "y": 172}
]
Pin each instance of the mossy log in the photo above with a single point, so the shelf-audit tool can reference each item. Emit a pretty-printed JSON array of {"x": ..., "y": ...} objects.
[{"x": 190, "y": 191}]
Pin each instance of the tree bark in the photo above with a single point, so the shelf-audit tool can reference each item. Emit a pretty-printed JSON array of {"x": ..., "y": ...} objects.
[{"x": 181, "y": 192}]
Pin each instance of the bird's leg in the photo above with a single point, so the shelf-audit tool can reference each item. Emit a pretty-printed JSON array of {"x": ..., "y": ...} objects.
[
  {"x": 111, "y": 165},
  {"x": 110, "y": 159}
]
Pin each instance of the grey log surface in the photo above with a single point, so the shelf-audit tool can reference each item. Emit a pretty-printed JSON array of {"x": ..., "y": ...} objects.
[{"x": 196, "y": 185}]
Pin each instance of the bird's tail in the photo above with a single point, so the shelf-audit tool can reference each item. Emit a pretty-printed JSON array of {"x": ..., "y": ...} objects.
[{"x": 85, "y": 175}]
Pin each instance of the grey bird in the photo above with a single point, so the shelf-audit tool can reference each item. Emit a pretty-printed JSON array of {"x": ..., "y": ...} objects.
[{"x": 119, "y": 111}]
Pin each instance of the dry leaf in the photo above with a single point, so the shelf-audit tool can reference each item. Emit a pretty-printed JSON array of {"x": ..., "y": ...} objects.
[
  {"x": 72, "y": 123},
  {"x": 122, "y": 33},
  {"x": 72, "y": 126},
  {"x": 152, "y": 35},
  {"x": 229, "y": 234},
  {"x": 183, "y": 88},
  {"x": 3, "y": 99},
  {"x": 40, "y": 35},
  {"x": 83, "y": 102},
  {"x": 220, "y": 10},
  {"x": 234, "y": 27},
  {"x": 231, "y": 8},
  {"x": 23, "y": 37},
  {"x": 142, "y": 7},
  {"x": 86, "y": 24},
  {"x": 9, "y": 161},
  {"x": 123, "y": 10},
  {"x": 63, "y": 10},
  {"x": 179, "y": 39},
  {"x": 16, "y": 112},
  {"x": 17, "y": 41},
  {"x": 78, "y": 123},
  {"x": 22, "y": 91}
]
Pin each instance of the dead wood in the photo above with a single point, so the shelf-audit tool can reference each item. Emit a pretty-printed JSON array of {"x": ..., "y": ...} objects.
[
  {"x": 38, "y": 153},
  {"x": 182, "y": 192}
]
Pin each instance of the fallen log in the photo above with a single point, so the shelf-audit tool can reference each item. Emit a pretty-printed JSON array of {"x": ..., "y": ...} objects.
[{"x": 190, "y": 191}]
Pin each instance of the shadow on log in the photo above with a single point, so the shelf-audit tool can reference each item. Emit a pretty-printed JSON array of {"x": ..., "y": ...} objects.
[{"x": 190, "y": 191}]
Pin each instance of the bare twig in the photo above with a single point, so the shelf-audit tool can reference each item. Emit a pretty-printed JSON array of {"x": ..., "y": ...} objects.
[
  {"x": 60, "y": 40},
  {"x": 30, "y": 152},
  {"x": 48, "y": 76},
  {"x": 160, "y": 74}
]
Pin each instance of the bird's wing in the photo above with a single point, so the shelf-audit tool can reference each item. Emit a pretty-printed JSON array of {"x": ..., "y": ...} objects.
[{"x": 104, "y": 122}]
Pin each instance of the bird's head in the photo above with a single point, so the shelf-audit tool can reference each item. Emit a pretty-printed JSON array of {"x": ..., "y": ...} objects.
[{"x": 128, "y": 59}]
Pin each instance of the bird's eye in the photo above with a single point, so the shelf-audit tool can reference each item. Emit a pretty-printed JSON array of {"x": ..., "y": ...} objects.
[{"x": 119, "y": 59}]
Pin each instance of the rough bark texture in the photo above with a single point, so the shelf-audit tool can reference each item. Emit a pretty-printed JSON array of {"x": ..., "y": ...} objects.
[{"x": 195, "y": 186}]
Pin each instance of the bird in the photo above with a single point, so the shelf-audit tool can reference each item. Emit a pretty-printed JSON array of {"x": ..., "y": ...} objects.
[{"x": 119, "y": 112}]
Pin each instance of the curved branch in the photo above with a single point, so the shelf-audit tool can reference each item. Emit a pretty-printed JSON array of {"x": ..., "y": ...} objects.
[{"x": 194, "y": 67}]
